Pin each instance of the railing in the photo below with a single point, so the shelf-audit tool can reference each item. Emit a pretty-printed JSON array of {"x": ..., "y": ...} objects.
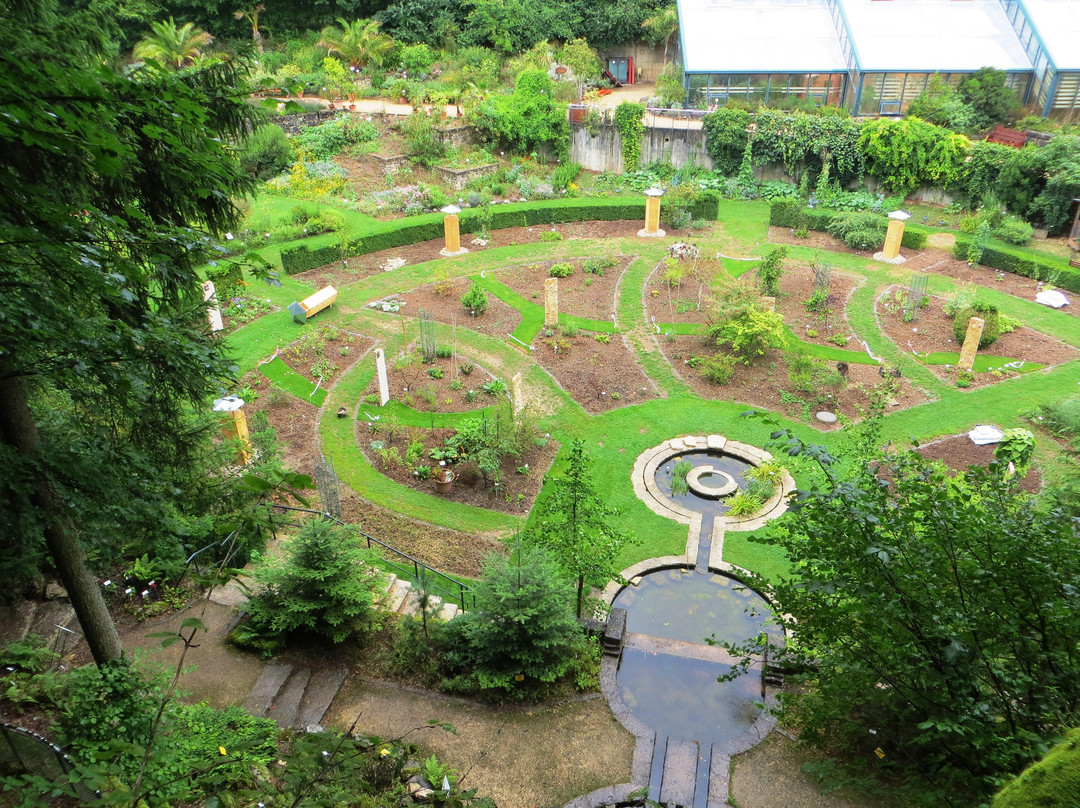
[
  {"x": 24, "y": 750},
  {"x": 431, "y": 579}
]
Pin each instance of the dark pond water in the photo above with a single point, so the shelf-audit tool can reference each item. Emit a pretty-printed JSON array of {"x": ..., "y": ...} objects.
[{"x": 718, "y": 460}]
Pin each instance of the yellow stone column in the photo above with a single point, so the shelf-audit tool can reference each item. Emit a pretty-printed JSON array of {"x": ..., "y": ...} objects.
[
  {"x": 452, "y": 232},
  {"x": 236, "y": 428},
  {"x": 971, "y": 343},
  {"x": 652, "y": 214},
  {"x": 893, "y": 236}
]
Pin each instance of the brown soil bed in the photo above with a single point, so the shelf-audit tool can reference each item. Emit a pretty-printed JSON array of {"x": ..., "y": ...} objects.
[
  {"x": 959, "y": 453},
  {"x": 326, "y": 352},
  {"x": 364, "y": 265},
  {"x": 514, "y": 493},
  {"x": 663, "y": 302},
  {"x": 597, "y": 376},
  {"x": 413, "y": 385},
  {"x": 443, "y": 300},
  {"x": 449, "y": 551},
  {"x": 816, "y": 240},
  {"x": 933, "y": 333},
  {"x": 763, "y": 384},
  {"x": 582, "y": 294}
]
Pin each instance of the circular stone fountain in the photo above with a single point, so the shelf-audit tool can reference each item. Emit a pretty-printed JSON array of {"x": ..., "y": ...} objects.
[{"x": 711, "y": 483}]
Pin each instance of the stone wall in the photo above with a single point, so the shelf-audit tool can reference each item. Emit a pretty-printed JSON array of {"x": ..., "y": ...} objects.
[
  {"x": 458, "y": 178},
  {"x": 603, "y": 152},
  {"x": 292, "y": 124}
]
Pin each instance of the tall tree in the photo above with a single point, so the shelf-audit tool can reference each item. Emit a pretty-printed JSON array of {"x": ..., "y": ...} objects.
[
  {"x": 574, "y": 525},
  {"x": 115, "y": 183},
  {"x": 522, "y": 623},
  {"x": 171, "y": 44},
  {"x": 937, "y": 616},
  {"x": 661, "y": 27},
  {"x": 358, "y": 42},
  {"x": 252, "y": 16}
]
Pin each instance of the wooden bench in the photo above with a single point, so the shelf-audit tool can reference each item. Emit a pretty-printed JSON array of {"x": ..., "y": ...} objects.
[
  {"x": 1007, "y": 136},
  {"x": 320, "y": 300}
]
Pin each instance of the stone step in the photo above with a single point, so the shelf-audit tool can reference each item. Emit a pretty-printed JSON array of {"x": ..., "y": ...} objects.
[
  {"x": 396, "y": 595},
  {"x": 322, "y": 687},
  {"x": 410, "y": 606},
  {"x": 266, "y": 688},
  {"x": 286, "y": 707},
  {"x": 680, "y": 772},
  {"x": 448, "y": 611}
]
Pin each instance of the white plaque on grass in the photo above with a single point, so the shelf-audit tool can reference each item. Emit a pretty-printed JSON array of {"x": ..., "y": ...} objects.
[{"x": 384, "y": 385}]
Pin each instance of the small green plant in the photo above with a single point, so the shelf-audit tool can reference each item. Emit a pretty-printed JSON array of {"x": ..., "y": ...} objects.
[
  {"x": 551, "y": 235},
  {"x": 371, "y": 398},
  {"x": 603, "y": 339},
  {"x": 562, "y": 269},
  {"x": 466, "y": 368},
  {"x": 838, "y": 339},
  {"x": 719, "y": 368},
  {"x": 523, "y": 470},
  {"x": 990, "y": 316},
  {"x": 475, "y": 300},
  {"x": 435, "y": 773},
  {"x": 596, "y": 266},
  {"x": 616, "y": 396},
  {"x": 494, "y": 387},
  {"x": 470, "y": 396},
  {"x": 695, "y": 361},
  {"x": 812, "y": 333},
  {"x": 444, "y": 352},
  {"x": 770, "y": 271},
  {"x": 965, "y": 379},
  {"x": 457, "y": 384},
  {"x": 435, "y": 373},
  {"x": 679, "y": 486},
  {"x": 422, "y": 472},
  {"x": 744, "y": 504},
  {"x": 570, "y": 330},
  {"x": 817, "y": 300}
]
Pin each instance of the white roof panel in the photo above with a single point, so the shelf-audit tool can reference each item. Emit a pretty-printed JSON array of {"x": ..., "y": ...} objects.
[
  {"x": 1058, "y": 24},
  {"x": 934, "y": 35},
  {"x": 758, "y": 36}
]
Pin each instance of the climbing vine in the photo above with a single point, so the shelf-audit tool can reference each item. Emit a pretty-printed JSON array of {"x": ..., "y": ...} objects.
[
  {"x": 907, "y": 153},
  {"x": 628, "y": 123}
]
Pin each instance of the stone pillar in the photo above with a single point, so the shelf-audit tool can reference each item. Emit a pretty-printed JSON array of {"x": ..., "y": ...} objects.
[
  {"x": 380, "y": 367},
  {"x": 768, "y": 303},
  {"x": 971, "y": 343},
  {"x": 452, "y": 232},
  {"x": 236, "y": 427},
  {"x": 652, "y": 214},
  {"x": 213, "y": 312},
  {"x": 551, "y": 301},
  {"x": 517, "y": 393},
  {"x": 893, "y": 236}
]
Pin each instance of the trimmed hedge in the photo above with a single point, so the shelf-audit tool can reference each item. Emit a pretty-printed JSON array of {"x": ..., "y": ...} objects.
[
  {"x": 301, "y": 259},
  {"x": 794, "y": 213},
  {"x": 1015, "y": 260}
]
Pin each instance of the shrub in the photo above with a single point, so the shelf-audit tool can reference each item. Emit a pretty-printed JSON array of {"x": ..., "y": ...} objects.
[
  {"x": 741, "y": 325},
  {"x": 565, "y": 174},
  {"x": 991, "y": 323},
  {"x": 718, "y": 369},
  {"x": 475, "y": 300},
  {"x": 444, "y": 352},
  {"x": 1013, "y": 230},
  {"x": 424, "y": 145},
  {"x": 435, "y": 373},
  {"x": 744, "y": 504},
  {"x": 323, "y": 583},
  {"x": 522, "y": 624},
  {"x": 551, "y": 235},
  {"x": 770, "y": 270},
  {"x": 562, "y": 270},
  {"x": 266, "y": 152},
  {"x": 324, "y": 141},
  {"x": 596, "y": 266},
  {"x": 860, "y": 231}
]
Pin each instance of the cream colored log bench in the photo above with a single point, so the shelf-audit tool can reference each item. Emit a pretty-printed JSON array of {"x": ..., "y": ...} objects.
[{"x": 313, "y": 304}]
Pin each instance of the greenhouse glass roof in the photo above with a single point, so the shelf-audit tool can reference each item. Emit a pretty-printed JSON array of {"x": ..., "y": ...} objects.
[
  {"x": 933, "y": 35},
  {"x": 1058, "y": 24},
  {"x": 758, "y": 36}
]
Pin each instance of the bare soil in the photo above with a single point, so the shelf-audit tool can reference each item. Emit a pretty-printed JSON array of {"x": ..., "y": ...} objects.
[
  {"x": 932, "y": 332},
  {"x": 324, "y": 353},
  {"x": 412, "y": 383},
  {"x": 364, "y": 265},
  {"x": 582, "y": 294},
  {"x": 598, "y": 376},
  {"x": 959, "y": 453},
  {"x": 443, "y": 300},
  {"x": 764, "y": 384}
]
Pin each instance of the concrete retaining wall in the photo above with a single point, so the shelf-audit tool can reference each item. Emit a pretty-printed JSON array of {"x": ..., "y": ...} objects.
[{"x": 603, "y": 152}]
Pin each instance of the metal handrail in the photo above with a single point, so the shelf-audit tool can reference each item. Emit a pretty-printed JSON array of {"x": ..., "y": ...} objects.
[{"x": 457, "y": 590}]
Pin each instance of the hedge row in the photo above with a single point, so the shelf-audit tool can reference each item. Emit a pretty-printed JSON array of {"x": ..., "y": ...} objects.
[
  {"x": 999, "y": 256},
  {"x": 415, "y": 229},
  {"x": 793, "y": 213}
]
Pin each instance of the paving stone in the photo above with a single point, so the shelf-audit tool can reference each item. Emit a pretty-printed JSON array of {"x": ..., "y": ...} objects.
[
  {"x": 719, "y": 779},
  {"x": 680, "y": 772},
  {"x": 262, "y": 695},
  {"x": 320, "y": 692},
  {"x": 826, "y": 417},
  {"x": 716, "y": 442},
  {"x": 286, "y": 707}
]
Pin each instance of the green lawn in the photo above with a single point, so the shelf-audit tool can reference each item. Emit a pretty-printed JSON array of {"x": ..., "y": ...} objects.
[{"x": 616, "y": 438}]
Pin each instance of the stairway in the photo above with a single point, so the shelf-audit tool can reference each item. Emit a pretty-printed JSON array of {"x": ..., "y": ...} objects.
[{"x": 298, "y": 698}]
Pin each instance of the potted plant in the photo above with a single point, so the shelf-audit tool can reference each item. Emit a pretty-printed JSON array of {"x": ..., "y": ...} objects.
[{"x": 444, "y": 477}]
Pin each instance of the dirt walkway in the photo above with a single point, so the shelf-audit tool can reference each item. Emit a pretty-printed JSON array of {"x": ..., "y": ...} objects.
[{"x": 519, "y": 757}]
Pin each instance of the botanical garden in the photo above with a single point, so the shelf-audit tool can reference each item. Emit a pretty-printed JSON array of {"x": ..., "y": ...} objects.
[{"x": 363, "y": 448}]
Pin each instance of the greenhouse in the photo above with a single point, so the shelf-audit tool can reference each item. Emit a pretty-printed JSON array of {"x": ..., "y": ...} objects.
[{"x": 874, "y": 57}]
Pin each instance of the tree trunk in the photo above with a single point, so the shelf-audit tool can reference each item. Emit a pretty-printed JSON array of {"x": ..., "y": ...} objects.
[{"x": 17, "y": 429}]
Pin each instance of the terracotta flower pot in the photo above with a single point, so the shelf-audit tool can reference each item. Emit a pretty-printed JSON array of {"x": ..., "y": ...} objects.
[{"x": 444, "y": 484}]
